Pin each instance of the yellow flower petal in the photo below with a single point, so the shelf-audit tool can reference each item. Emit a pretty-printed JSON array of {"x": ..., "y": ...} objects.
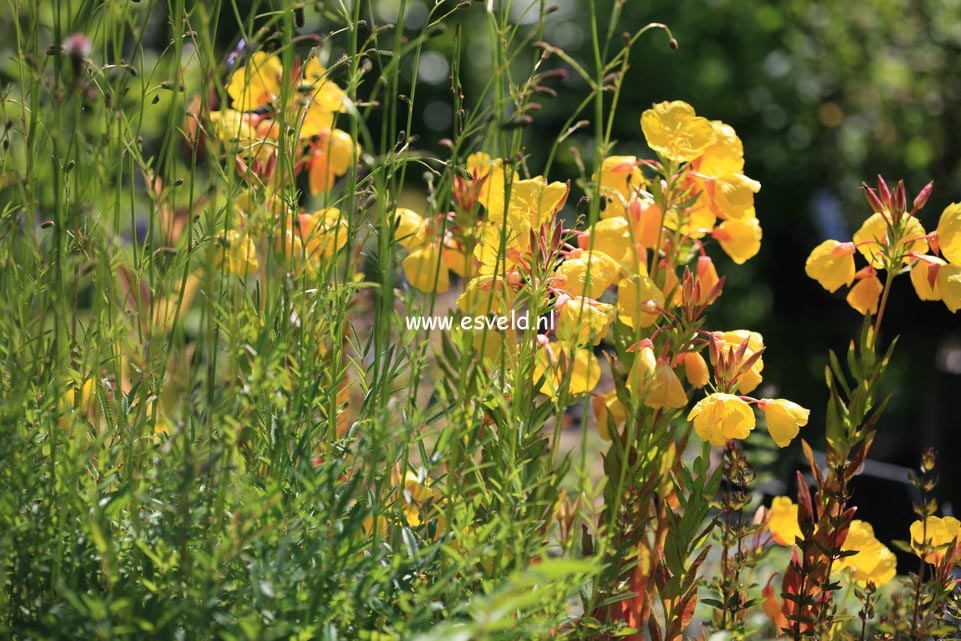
[
  {"x": 784, "y": 419},
  {"x": 673, "y": 130},
  {"x": 865, "y": 294},
  {"x": 719, "y": 417},
  {"x": 831, "y": 264}
]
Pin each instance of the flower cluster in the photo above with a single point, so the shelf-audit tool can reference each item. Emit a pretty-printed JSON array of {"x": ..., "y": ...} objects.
[
  {"x": 893, "y": 240},
  {"x": 869, "y": 561},
  {"x": 640, "y": 270},
  {"x": 250, "y": 130}
]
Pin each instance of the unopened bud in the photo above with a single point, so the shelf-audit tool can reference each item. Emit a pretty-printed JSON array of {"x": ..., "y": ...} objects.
[
  {"x": 872, "y": 198},
  {"x": 922, "y": 198},
  {"x": 900, "y": 198},
  {"x": 884, "y": 192}
]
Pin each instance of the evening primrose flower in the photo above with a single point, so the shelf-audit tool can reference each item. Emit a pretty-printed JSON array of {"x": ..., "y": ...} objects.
[
  {"x": 647, "y": 222},
  {"x": 784, "y": 419},
  {"x": 783, "y": 521},
  {"x": 554, "y": 362},
  {"x": 619, "y": 179},
  {"x": 725, "y": 156},
  {"x": 748, "y": 381},
  {"x": 866, "y": 293},
  {"x": 872, "y": 238},
  {"x": 486, "y": 295},
  {"x": 411, "y": 230},
  {"x": 610, "y": 413},
  {"x": 325, "y": 100},
  {"x": 238, "y": 255},
  {"x": 695, "y": 369},
  {"x": 637, "y": 301},
  {"x": 331, "y": 154},
  {"x": 666, "y": 391},
  {"x": 256, "y": 84},
  {"x": 643, "y": 369},
  {"x": 613, "y": 237},
  {"x": 425, "y": 269},
  {"x": 720, "y": 417},
  {"x": 732, "y": 196},
  {"x": 873, "y": 562},
  {"x": 933, "y": 541},
  {"x": 740, "y": 238},
  {"x": 325, "y": 232},
  {"x": 949, "y": 283},
  {"x": 525, "y": 203},
  {"x": 254, "y": 136},
  {"x": 673, "y": 130},
  {"x": 582, "y": 320},
  {"x": 831, "y": 264},
  {"x": 949, "y": 233},
  {"x": 587, "y": 273}
]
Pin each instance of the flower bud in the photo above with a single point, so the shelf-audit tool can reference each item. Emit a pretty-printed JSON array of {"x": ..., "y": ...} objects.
[
  {"x": 885, "y": 192},
  {"x": 873, "y": 199}
]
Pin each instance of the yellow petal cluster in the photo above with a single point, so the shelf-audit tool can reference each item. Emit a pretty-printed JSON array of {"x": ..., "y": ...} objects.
[
  {"x": 673, "y": 130},
  {"x": 934, "y": 539},
  {"x": 784, "y": 419},
  {"x": 720, "y": 417},
  {"x": 873, "y": 562}
]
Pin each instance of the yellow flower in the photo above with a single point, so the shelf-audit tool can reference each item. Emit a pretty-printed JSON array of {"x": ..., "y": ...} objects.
[
  {"x": 782, "y": 521},
  {"x": 613, "y": 237},
  {"x": 257, "y": 84},
  {"x": 496, "y": 346},
  {"x": 865, "y": 294},
  {"x": 325, "y": 100},
  {"x": 325, "y": 232},
  {"x": 673, "y": 130},
  {"x": 647, "y": 222},
  {"x": 456, "y": 259},
  {"x": 725, "y": 156},
  {"x": 924, "y": 277},
  {"x": 635, "y": 295},
  {"x": 610, "y": 413},
  {"x": 949, "y": 233},
  {"x": 425, "y": 269},
  {"x": 732, "y": 196},
  {"x": 949, "y": 283},
  {"x": 331, "y": 156},
  {"x": 555, "y": 360},
  {"x": 695, "y": 370},
  {"x": 784, "y": 419},
  {"x": 497, "y": 249},
  {"x": 720, "y": 417},
  {"x": 666, "y": 390},
  {"x": 641, "y": 377},
  {"x": 238, "y": 255},
  {"x": 872, "y": 238},
  {"x": 486, "y": 295},
  {"x": 873, "y": 562},
  {"x": 831, "y": 264},
  {"x": 941, "y": 534},
  {"x": 582, "y": 320},
  {"x": 411, "y": 231},
  {"x": 587, "y": 273},
  {"x": 740, "y": 238},
  {"x": 696, "y": 221},
  {"x": 479, "y": 165},
  {"x": 619, "y": 180},
  {"x": 525, "y": 203},
  {"x": 748, "y": 381},
  {"x": 421, "y": 501},
  {"x": 256, "y": 139}
]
